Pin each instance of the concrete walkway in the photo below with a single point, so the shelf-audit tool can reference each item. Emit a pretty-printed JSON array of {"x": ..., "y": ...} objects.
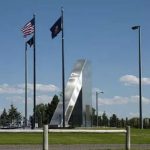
[{"x": 77, "y": 147}]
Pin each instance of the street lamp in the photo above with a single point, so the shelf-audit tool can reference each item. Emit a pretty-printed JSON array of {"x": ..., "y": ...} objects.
[
  {"x": 97, "y": 105},
  {"x": 140, "y": 89}
]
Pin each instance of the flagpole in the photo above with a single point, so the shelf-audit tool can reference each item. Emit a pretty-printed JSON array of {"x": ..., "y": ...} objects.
[
  {"x": 25, "y": 84},
  {"x": 34, "y": 76},
  {"x": 63, "y": 67}
]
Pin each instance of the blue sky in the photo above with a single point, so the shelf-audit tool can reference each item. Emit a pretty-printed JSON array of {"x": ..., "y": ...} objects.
[{"x": 97, "y": 30}]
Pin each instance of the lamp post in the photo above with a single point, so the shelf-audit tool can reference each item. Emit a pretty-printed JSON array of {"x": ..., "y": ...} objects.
[
  {"x": 97, "y": 106},
  {"x": 140, "y": 89}
]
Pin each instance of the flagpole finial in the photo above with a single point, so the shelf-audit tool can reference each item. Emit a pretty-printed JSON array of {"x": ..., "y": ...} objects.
[
  {"x": 34, "y": 15},
  {"x": 62, "y": 9}
]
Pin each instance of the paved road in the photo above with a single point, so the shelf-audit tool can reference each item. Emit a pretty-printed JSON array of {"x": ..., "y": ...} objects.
[{"x": 77, "y": 147}]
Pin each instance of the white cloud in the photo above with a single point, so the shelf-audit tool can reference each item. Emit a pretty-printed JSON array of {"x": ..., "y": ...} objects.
[
  {"x": 145, "y": 100},
  {"x": 7, "y": 89},
  {"x": 43, "y": 99},
  {"x": 135, "y": 99},
  {"x": 19, "y": 89},
  {"x": 116, "y": 100},
  {"x": 21, "y": 99},
  {"x": 146, "y": 81},
  {"x": 41, "y": 87},
  {"x": 47, "y": 88},
  {"x": 132, "y": 115},
  {"x": 15, "y": 98},
  {"x": 133, "y": 80},
  {"x": 15, "y": 93},
  {"x": 129, "y": 80}
]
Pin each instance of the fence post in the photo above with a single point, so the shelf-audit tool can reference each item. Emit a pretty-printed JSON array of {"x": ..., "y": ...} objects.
[
  {"x": 128, "y": 144},
  {"x": 45, "y": 137}
]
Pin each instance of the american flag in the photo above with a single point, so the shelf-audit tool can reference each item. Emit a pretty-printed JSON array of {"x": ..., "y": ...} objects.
[{"x": 28, "y": 28}]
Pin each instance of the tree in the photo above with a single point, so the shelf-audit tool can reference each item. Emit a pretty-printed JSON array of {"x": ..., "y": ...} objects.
[
  {"x": 146, "y": 123},
  {"x": 123, "y": 123},
  {"x": 4, "y": 118},
  {"x": 93, "y": 117},
  {"x": 134, "y": 122},
  {"x": 99, "y": 120},
  {"x": 40, "y": 114},
  {"x": 51, "y": 108},
  {"x": 104, "y": 119},
  {"x": 14, "y": 116},
  {"x": 113, "y": 121},
  {"x": 44, "y": 112}
]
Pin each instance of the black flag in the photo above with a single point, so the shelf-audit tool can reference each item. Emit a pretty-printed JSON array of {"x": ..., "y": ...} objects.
[
  {"x": 30, "y": 42},
  {"x": 56, "y": 28}
]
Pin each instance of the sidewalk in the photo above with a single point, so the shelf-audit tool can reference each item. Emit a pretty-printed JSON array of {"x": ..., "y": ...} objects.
[{"x": 77, "y": 147}]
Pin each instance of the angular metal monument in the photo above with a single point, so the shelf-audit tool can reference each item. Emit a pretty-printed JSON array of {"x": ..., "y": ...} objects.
[{"x": 78, "y": 98}]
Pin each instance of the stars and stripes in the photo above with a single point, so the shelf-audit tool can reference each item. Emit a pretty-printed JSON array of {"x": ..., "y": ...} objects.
[{"x": 28, "y": 28}]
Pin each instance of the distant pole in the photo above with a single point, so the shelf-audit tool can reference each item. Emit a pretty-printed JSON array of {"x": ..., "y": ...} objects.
[
  {"x": 25, "y": 84},
  {"x": 97, "y": 106},
  {"x": 140, "y": 85},
  {"x": 34, "y": 76},
  {"x": 97, "y": 109},
  {"x": 63, "y": 68}
]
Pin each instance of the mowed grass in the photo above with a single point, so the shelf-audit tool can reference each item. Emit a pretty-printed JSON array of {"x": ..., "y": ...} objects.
[
  {"x": 137, "y": 137},
  {"x": 85, "y": 138},
  {"x": 20, "y": 138}
]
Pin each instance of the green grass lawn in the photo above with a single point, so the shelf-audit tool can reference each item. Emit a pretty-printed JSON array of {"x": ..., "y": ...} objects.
[
  {"x": 137, "y": 137},
  {"x": 20, "y": 138}
]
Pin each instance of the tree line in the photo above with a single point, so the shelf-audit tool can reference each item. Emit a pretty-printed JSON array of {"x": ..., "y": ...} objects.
[
  {"x": 44, "y": 112},
  {"x": 13, "y": 118},
  {"x": 114, "y": 121}
]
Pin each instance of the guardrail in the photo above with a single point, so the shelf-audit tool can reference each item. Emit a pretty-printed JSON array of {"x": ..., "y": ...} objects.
[
  {"x": 45, "y": 131},
  {"x": 127, "y": 133}
]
